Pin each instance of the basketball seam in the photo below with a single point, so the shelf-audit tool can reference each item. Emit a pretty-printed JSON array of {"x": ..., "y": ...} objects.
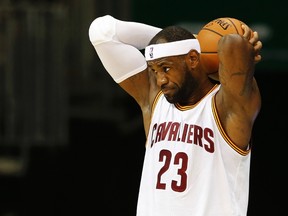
[
  {"x": 233, "y": 25},
  {"x": 207, "y": 29},
  {"x": 204, "y": 52}
]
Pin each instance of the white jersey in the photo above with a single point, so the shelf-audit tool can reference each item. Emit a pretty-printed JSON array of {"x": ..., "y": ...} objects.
[{"x": 191, "y": 167}]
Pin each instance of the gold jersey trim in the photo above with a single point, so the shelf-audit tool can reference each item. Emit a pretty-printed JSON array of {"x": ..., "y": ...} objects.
[
  {"x": 223, "y": 133},
  {"x": 156, "y": 100},
  {"x": 177, "y": 105},
  {"x": 215, "y": 114},
  {"x": 183, "y": 108}
]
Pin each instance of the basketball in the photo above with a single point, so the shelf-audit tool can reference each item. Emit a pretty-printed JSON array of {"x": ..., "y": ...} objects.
[{"x": 209, "y": 36}]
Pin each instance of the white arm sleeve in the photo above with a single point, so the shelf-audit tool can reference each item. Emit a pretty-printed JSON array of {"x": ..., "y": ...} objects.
[{"x": 117, "y": 44}]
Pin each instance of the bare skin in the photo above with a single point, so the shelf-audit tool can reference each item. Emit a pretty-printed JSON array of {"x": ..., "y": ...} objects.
[{"x": 183, "y": 80}]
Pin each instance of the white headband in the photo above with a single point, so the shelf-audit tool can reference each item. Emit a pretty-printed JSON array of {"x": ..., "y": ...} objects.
[{"x": 155, "y": 51}]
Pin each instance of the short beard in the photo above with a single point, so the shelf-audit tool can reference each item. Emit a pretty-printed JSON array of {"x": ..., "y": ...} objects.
[{"x": 186, "y": 91}]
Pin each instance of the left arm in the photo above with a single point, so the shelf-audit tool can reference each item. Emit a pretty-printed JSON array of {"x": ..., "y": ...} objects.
[{"x": 238, "y": 100}]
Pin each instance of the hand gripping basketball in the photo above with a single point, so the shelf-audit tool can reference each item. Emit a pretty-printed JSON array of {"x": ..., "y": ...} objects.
[{"x": 208, "y": 38}]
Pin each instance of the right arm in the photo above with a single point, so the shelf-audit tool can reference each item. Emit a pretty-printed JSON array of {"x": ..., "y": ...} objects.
[{"x": 118, "y": 44}]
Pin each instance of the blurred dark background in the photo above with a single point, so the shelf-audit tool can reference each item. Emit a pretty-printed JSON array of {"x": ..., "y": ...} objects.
[{"x": 72, "y": 142}]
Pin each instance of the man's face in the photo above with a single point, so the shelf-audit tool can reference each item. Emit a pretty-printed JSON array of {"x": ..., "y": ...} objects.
[{"x": 172, "y": 76}]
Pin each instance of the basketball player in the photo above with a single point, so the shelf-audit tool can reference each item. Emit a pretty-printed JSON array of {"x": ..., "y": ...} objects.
[{"x": 198, "y": 133}]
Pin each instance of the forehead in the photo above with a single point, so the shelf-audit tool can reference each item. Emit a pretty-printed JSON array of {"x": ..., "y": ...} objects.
[
  {"x": 161, "y": 61},
  {"x": 169, "y": 60}
]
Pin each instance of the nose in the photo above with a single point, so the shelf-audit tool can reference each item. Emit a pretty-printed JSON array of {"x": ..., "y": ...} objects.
[{"x": 161, "y": 79}]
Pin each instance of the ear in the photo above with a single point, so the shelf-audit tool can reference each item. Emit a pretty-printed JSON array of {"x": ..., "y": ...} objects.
[{"x": 192, "y": 58}]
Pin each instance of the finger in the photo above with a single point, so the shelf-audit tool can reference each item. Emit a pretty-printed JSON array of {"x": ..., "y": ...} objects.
[
  {"x": 247, "y": 31},
  {"x": 257, "y": 58},
  {"x": 258, "y": 46},
  {"x": 254, "y": 38}
]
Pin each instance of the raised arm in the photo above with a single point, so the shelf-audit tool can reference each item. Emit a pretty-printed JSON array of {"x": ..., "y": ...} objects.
[
  {"x": 238, "y": 101},
  {"x": 118, "y": 44}
]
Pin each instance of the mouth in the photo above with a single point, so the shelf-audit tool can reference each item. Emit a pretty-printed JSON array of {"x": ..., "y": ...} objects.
[{"x": 166, "y": 91}]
